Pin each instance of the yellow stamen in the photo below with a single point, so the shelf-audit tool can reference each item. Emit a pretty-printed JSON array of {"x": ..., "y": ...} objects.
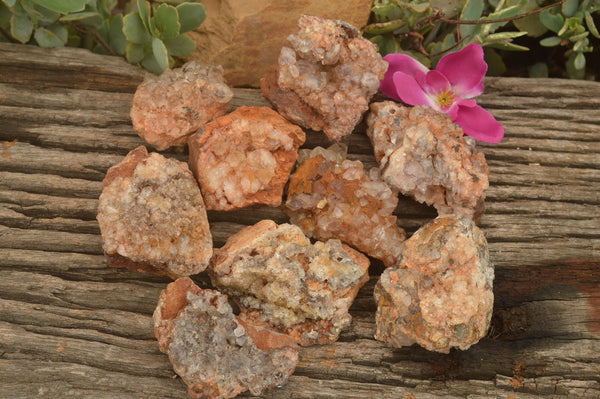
[{"x": 446, "y": 98}]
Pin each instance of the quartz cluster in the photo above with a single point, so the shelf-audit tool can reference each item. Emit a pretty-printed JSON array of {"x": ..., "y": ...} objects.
[
  {"x": 327, "y": 75},
  {"x": 280, "y": 279},
  {"x": 216, "y": 354},
  {"x": 424, "y": 155},
  {"x": 244, "y": 158},
  {"x": 440, "y": 294},
  {"x": 330, "y": 196},
  {"x": 152, "y": 216},
  {"x": 169, "y": 107}
]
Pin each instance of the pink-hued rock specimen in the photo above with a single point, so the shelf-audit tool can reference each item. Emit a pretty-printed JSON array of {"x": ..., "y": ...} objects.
[
  {"x": 152, "y": 216},
  {"x": 440, "y": 294},
  {"x": 244, "y": 158},
  {"x": 332, "y": 197},
  {"x": 280, "y": 279},
  {"x": 215, "y": 353},
  {"x": 327, "y": 75},
  {"x": 168, "y": 108},
  {"x": 424, "y": 155}
]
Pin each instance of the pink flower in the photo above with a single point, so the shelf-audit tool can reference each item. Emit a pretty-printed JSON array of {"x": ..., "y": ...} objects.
[{"x": 449, "y": 88}]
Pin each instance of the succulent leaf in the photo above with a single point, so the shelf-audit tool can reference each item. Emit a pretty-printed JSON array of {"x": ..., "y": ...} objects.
[
  {"x": 134, "y": 29},
  {"x": 62, "y": 6},
  {"x": 160, "y": 53},
  {"x": 471, "y": 12},
  {"x": 165, "y": 22},
  {"x": 144, "y": 12},
  {"x": 46, "y": 38},
  {"x": 21, "y": 27},
  {"x": 116, "y": 37},
  {"x": 181, "y": 46},
  {"x": 554, "y": 22},
  {"x": 134, "y": 53},
  {"x": 191, "y": 16}
]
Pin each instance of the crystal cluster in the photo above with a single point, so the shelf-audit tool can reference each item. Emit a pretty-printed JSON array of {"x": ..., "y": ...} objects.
[
  {"x": 440, "y": 294},
  {"x": 280, "y": 279},
  {"x": 167, "y": 108},
  {"x": 244, "y": 158},
  {"x": 326, "y": 77},
  {"x": 216, "y": 354},
  {"x": 152, "y": 216},
  {"x": 426, "y": 156},
  {"x": 332, "y": 197}
]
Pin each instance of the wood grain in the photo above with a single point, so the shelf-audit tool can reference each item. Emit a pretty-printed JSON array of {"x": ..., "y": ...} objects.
[{"x": 72, "y": 327}]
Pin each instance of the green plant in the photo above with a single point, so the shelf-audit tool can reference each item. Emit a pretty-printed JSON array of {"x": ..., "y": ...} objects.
[
  {"x": 149, "y": 34},
  {"x": 426, "y": 29}
]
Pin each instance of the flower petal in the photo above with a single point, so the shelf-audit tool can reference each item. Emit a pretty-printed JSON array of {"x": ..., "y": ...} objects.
[
  {"x": 398, "y": 63},
  {"x": 479, "y": 123},
  {"x": 465, "y": 70},
  {"x": 409, "y": 90},
  {"x": 435, "y": 83}
]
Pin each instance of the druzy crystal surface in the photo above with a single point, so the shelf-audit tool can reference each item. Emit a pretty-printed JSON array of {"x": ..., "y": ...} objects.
[
  {"x": 244, "y": 158},
  {"x": 440, "y": 294},
  {"x": 217, "y": 355},
  {"x": 424, "y": 155},
  {"x": 152, "y": 216},
  {"x": 330, "y": 196},
  {"x": 280, "y": 279},
  {"x": 168, "y": 108},
  {"x": 327, "y": 75}
]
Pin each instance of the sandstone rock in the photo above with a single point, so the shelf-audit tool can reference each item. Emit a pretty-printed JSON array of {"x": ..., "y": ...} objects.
[
  {"x": 426, "y": 156},
  {"x": 169, "y": 107},
  {"x": 326, "y": 77},
  {"x": 440, "y": 295},
  {"x": 280, "y": 279},
  {"x": 244, "y": 158},
  {"x": 216, "y": 354},
  {"x": 152, "y": 216},
  {"x": 332, "y": 197},
  {"x": 246, "y": 36}
]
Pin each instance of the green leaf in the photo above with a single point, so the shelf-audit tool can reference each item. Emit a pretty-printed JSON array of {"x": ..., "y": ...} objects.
[
  {"x": 165, "y": 22},
  {"x": 503, "y": 36},
  {"x": 62, "y": 6},
  {"x": 191, "y": 16},
  {"x": 531, "y": 24},
  {"x": 116, "y": 37},
  {"x": 46, "y": 38},
  {"x": 508, "y": 12},
  {"x": 554, "y": 22},
  {"x": 590, "y": 24},
  {"x": 574, "y": 73},
  {"x": 39, "y": 13},
  {"x": 580, "y": 45},
  {"x": 134, "y": 53},
  {"x": 471, "y": 12},
  {"x": 5, "y": 14},
  {"x": 580, "y": 36},
  {"x": 496, "y": 66},
  {"x": 181, "y": 46},
  {"x": 551, "y": 41},
  {"x": 150, "y": 63},
  {"x": 21, "y": 27},
  {"x": 508, "y": 47},
  {"x": 579, "y": 62},
  {"x": 60, "y": 31},
  {"x": 10, "y": 3},
  {"x": 160, "y": 53},
  {"x": 569, "y": 7},
  {"x": 144, "y": 12},
  {"x": 538, "y": 70},
  {"x": 90, "y": 18},
  {"x": 105, "y": 7},
  {"x": 134, "y": 29},
  {"x": 386, "y": 44}
]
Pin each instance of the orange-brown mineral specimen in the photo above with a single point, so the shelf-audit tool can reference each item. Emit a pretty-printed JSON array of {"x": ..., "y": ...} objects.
[
  {"x": 426, "y": 156},
  {"x": 440, "y": 294},
  {"x": 152, "y": 216},
  {"x": 280, "y": 279},
  {"x": 244, "y": 158},
  {"x": 332, "y": 197},
  {"x": 326, "y": 77},
  {"x": 169, "y": 107},
  {"x": 216, "y": 354}
]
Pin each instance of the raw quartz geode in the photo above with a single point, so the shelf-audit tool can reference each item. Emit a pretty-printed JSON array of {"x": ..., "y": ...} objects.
[
  {"x": 280, "y": 279},
  {"x": 440, "y": 294},
  {"x": 244, "y": 158},
  {"x": 216, "y": 354},
  {"x": 169, "y": 107},
  {"x": 426, "y": 156},
  {"x": 326, "y": 77},
  {"x": 330, "y": 196},
  {"x": 152, "y": 216}
]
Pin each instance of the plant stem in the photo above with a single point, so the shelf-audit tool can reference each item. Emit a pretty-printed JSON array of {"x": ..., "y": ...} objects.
[
  {"x": 439, "y": 16},
  {"x": 96, "y": 35}
]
